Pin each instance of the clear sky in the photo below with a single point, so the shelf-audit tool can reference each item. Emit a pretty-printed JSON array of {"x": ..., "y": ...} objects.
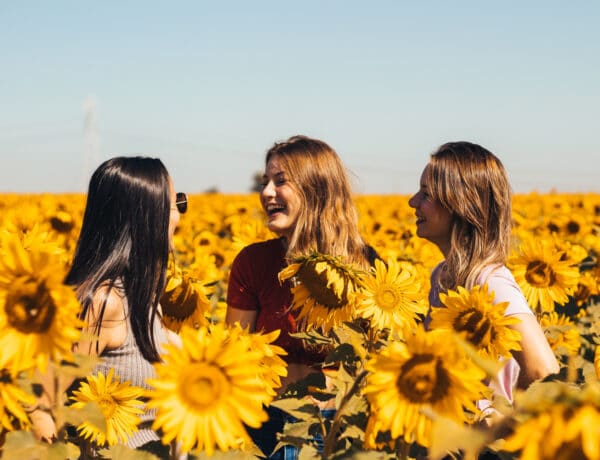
[{"x": 209, "y": 86}]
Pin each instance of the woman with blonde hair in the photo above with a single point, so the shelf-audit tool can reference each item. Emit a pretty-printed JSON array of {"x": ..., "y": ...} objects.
[
  {"x": 464, "y": 207},
  {"x": 306, "y": 196}
]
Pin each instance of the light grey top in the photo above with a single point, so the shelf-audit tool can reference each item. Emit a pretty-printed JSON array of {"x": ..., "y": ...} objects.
[{"x": 131, "y": 366}]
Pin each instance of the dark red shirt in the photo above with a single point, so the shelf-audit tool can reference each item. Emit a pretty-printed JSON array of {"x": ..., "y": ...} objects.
[{"x": 253, "y": 285}]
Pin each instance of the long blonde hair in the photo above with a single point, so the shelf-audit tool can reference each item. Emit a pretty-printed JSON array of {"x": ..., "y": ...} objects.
[
  {"x": 328, "y": 222},
  {"x": 472, "y": 184}
]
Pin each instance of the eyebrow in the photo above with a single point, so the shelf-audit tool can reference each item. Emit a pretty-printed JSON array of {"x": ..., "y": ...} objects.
[{"x": 276, "y": 175}]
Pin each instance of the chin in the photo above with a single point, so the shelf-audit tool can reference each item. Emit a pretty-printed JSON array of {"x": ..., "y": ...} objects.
[{"x": 275, "y": 229}]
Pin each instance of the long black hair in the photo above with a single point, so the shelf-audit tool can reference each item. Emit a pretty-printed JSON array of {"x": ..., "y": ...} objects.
[{"x": 124, "y": 241}]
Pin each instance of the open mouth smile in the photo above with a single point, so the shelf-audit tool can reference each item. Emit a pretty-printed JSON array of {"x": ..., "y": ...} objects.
[{"x": 273, "y": 209}]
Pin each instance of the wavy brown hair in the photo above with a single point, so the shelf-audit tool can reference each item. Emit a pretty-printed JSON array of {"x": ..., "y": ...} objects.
[
  {"x": 328, "y": 221},
  {"x": 472, "y": 184}
]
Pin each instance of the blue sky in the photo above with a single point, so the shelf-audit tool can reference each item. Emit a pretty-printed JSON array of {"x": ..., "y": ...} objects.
[{"x": 209, "y": 86}]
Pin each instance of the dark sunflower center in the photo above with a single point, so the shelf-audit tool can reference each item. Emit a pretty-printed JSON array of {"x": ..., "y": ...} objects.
[
  {"x": 61, "y": 222},
  {"x": 316, "y": 284},
  {"x": 572, "y": 227},
  {"x": 181, "y": 302},
  {"x": 5, "y": 376},
  {"x": 478, "y": 328},
  {"x": 570, "y": 450},
  {"x": 423, "y": 379},
  {"x": 582, "y": 293},
  {"x": 29, "y": 306},
  {"x": 540, "y": 274}
]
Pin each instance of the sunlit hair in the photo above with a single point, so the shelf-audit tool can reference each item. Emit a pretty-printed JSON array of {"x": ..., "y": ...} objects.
[
  {"x": 472, "y": 184},
  {"x": 124, "y": 242},
  {"x": 328, "y": 221}
]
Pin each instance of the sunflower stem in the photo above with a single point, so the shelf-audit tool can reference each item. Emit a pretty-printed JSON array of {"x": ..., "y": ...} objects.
[
  {"x": 329, "y": 442},
  {"x": 402, "y": 449},
  {"x": 173, "y": 451},
  {"x": 57, "y": 404}
]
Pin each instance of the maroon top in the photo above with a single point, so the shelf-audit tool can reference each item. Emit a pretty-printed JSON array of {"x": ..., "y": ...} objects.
[{"x": 253, "y": 285}]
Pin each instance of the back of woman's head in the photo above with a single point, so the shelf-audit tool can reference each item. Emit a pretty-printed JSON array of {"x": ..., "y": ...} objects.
[
  {"x": 328, "y": 221},
  {"x": 472, "y": 183},
  {"x": 124, "y": 238}
]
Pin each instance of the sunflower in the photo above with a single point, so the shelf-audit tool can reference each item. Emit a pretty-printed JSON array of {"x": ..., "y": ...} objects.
[
  {"x": 245, "y": 232},
  {"x": 207, "y": 389},
  {"x": 38, "y": 313},
  {"x": 429, "y": 371},
  {"x": 473, "y": 315},
  {"x": 12, "y": 400},
  {"x": 391, "y": 297},
  {"x": 273, "y": 367},
  {"x": 561, "y": 332},
  {"x": 587, "y": 288},
  {"x": 574, "y": 225},
  {"x": 183, "y": 301},
  {"x": 543, "y": 275},
  {"x": 561, "y": 422},
  {"x": 325, "y": 290},
  {"x": 204, "y": 267},
  {"x": 61, "y": 221},
  {"x": 119, "y": 403}
]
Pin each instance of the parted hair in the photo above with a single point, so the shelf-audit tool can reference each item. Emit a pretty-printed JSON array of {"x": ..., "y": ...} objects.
[
  {"x": 328, "y": 221},
  {"x": 124, "y": 242},
  {"x": 473, "y": 185}
]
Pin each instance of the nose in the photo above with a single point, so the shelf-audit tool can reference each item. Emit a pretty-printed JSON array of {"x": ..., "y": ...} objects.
[
  {"x": 413, "y": 201},
  {"x": 268, "y": 190}
]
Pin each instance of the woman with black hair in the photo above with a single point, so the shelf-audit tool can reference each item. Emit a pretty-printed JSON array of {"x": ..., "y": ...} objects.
[{"x": 119, "y": 269}]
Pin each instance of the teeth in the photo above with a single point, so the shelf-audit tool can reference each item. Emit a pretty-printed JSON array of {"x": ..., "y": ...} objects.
[{"x": 271, "y": 208}]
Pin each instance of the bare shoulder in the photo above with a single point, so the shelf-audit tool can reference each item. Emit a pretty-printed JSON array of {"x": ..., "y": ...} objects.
[{"x": 109, "y": 304}]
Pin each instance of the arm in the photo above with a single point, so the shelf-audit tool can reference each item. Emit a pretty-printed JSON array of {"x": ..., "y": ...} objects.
[
  {"x": 113, "y": 330},
  {"x": 241, "y": 292},
  {"x": 246, "y": 318},
  {"x": 536, "y": 359},
  {"x": 42, "y": 423}
]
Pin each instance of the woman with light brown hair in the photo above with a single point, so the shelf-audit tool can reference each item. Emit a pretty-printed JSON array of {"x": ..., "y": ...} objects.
[
  {"x": 306, "y": 196},
  {"x": 464, "y": 207}
]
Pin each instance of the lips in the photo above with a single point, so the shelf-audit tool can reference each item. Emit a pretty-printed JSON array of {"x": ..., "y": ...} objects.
[{"x": 274, "y": 209}]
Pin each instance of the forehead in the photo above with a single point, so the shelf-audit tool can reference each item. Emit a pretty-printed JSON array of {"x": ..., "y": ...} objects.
[
  {"x": 274, "y": 166},
  {"x": 424, "y": 175}
]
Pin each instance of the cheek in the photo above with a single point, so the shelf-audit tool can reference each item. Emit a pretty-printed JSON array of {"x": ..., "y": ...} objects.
[{"x": 174, "y": 220}]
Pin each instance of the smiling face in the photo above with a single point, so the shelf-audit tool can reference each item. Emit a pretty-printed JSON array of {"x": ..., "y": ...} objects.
[
  {"x": 434, "y": 222},
  {"x": 279, "y": 199}
]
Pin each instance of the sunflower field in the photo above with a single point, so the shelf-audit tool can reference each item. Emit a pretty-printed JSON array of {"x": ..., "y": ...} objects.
[{"x": 399, "y": 392}]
